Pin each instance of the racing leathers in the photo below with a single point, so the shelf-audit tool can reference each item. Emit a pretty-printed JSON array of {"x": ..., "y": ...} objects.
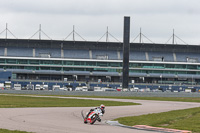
[{"x": 100, "y": 111}]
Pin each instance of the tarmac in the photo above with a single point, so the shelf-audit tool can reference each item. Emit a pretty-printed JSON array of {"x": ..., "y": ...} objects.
[{"x": 69, "y": 119}]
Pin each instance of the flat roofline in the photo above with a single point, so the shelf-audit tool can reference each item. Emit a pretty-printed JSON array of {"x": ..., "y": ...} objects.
[
  {"x": 45, "y": 40},
  {"x": 94, "y": 45}
]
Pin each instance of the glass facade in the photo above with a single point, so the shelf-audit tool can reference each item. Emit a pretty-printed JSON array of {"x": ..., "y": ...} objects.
[{"x": 99, "y": 65}]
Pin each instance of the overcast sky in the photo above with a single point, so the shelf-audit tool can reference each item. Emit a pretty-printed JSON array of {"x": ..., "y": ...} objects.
[{"x": 157, "y": 18}]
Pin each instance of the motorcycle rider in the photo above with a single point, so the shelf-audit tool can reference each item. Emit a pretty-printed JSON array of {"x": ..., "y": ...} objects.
[{"x": 101, "y": 108}]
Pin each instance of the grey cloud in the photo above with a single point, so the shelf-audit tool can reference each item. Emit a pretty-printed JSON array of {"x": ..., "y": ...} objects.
[
  {"x": 91, "y": 17},
  {"x": 102, "y": 7}
]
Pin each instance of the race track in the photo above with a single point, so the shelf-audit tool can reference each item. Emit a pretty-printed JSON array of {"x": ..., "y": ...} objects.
[{"x": 69, "y": 119}]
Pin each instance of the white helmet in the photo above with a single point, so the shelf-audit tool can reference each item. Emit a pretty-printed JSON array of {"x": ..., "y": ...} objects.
[{"x": 102, "y": 106}]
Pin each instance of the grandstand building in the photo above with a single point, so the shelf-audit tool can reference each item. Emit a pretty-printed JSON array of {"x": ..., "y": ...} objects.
[{"x": 85, "y": 61}]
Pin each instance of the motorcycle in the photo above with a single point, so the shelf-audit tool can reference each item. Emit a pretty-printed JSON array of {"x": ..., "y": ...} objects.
[{"x": 93, "y": 116}]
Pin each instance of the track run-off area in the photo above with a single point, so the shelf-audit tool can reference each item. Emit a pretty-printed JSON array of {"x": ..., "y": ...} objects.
[{"x": 69, "y": 119}]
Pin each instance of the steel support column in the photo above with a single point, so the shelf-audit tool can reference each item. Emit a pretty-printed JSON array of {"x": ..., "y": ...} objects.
[{"x": 126, "y": 49}]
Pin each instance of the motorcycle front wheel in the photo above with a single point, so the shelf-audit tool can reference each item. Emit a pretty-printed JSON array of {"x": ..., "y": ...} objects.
[{"x": 93, "y": 119}]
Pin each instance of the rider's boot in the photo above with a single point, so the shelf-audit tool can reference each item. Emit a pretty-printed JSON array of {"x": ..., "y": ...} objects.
[
  {"x": 86, "y": 117},
  {"x": 85, "y": 120},
  {"x": 99, "y": 119}
]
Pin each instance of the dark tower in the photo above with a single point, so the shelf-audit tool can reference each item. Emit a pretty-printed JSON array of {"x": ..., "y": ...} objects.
[{"x": 126, "y": 49}]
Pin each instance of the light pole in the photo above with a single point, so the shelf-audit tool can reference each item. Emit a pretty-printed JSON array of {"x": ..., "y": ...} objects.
[{"x": 192, "y": 80}]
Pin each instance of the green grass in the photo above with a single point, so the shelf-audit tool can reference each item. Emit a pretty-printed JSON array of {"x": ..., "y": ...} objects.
[
  {"x": 10, "y": 101},
  {"x": 178, "y": 99},
  {"x": 11, "y": 131},
  {"x": 188, "y": 119}
]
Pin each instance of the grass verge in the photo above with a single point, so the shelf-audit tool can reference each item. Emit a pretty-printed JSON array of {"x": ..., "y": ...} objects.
[
  {"x": 10, "y": 101},
  {"x": 180, "y": 99},
  {"x": 177, "y": 99},
  {"x": 11, "y": 131},
  {"x": 188, "y": 119},
  {"x": 181, "y": 119}
]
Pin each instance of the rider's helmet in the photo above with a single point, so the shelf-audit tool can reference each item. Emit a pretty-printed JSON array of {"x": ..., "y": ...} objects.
[{"x": 102, "y": 107}]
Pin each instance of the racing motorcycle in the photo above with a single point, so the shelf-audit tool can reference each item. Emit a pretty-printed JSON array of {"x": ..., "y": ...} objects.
[{"x": 93, "y": 116}]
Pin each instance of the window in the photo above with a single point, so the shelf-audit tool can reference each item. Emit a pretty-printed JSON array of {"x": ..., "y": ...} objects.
[
  {"x": 91, "y": 63},
  {"x": 192, "y": 67},
  {"x": 11, "y": 61},
  {"x": 2, "y": 60},
  {"x": 101, "y": 64},
  {"x": 169, "y": 66},
  {"x": 44, "y": 68},
  {"x": 22, "y": 61},
  {"x": 57, "y": 62},
  {"x": 68, "y": 63},
  {"x": 56, "y": 68},
  {"x": 79, "y": 63},
  {"x": 34, "y": 62},
  {"x": 114, "y": 64}
]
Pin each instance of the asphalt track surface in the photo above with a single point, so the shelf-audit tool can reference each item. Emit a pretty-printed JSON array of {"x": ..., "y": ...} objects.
[{"x": 69, "y": 119}]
